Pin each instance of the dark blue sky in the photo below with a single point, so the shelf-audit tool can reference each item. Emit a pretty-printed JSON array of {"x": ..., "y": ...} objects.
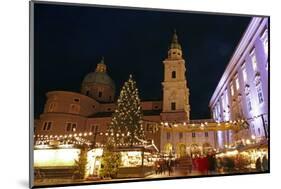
[{"x": 70, "y": 41}]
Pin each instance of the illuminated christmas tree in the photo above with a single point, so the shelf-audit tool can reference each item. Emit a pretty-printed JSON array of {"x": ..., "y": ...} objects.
[
  {"x": 126, "y": 123},
  {"x": 111, "y": 161}
]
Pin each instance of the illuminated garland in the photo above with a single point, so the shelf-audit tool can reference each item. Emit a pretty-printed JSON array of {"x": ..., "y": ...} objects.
[
  {"x": 75, "y": 138},
  {"x": 240, "y": 123}
]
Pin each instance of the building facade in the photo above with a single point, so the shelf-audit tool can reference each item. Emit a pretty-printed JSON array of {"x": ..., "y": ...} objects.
[
  {"x": 242, "y": 92},
  {"x": 70, "y": 113}
]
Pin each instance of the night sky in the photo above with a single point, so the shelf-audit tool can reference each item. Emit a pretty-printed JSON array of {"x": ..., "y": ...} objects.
[{"x": 70, "y": 41}]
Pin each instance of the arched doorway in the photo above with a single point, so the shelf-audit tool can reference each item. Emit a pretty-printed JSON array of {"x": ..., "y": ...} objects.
[
  {"x": 207, "y": 147},
  {"x": 168, "y": 148},
  {"x": 181, "y": 150},
  {"x": 195, "y": 150}
]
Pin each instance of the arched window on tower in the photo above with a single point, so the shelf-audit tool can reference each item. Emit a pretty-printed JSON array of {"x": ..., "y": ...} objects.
[
  {"x": 174, "y": 74},
  {"x": 87, "y": 93}
]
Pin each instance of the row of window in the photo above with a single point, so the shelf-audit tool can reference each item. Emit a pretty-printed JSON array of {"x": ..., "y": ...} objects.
[
  {"x": 260, "y": 96},
  {"x": 70, "y": 127},
  {"x": 168, "y": 136},
  {"x": 73, "y": 108},
  {"x": 100, "y": 94}
]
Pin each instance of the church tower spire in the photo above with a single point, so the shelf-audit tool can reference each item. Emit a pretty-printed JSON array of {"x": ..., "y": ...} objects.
[
  {"x": 175, "y": 44},
  {"x": 175, "y": 51},
  {"x": 176, "y": 106}
]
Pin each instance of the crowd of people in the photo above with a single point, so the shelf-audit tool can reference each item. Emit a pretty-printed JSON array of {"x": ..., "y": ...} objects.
[
  {"x": 262, "y": 164},
  {"x": 204, "y": 164},
  {"x": 210, "y": 164},
  {"x": 164, "y": 165}
]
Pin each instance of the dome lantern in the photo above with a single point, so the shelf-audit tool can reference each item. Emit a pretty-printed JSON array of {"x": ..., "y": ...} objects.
[{"x": 101, "y": 67}]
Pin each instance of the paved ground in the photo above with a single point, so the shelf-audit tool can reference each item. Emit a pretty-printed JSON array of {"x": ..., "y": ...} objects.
[{"x": 175, "y": 173}]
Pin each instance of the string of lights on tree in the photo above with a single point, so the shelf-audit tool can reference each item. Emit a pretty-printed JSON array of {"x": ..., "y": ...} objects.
[{"x": 126, "y": 123}]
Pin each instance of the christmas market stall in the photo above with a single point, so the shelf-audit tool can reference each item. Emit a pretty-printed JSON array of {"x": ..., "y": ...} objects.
[
  {"x": 65, "y": 157},
  {"x": 245, "y": 155},
  {"x": 136, "y": 161}
]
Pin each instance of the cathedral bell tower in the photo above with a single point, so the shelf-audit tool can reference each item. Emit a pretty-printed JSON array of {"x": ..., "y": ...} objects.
[{"x": 176, "y": 106}]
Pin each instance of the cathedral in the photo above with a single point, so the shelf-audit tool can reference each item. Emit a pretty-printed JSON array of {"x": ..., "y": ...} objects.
[{"x": 90, "y": 111}]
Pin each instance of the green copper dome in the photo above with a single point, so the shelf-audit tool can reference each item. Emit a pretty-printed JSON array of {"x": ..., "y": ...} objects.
[{"x": 99, "y": 76}]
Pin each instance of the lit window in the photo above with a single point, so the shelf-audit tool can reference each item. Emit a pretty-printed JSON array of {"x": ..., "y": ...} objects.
[
  {"x": 260, "y": 94},
  {"x": 173, "y": 106},
  {"x": 232, "y": 90},
  {"x": 244, "y": 73},
  {"x": 237, "y": 83},
  {"x": 254, "y": 60}
]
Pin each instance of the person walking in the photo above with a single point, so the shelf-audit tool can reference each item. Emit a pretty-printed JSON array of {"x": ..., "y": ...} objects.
[
  {"x": 219, "y": 165},
  {"x": 157, "y": 167},
  {"x": 258, "y": 165},
  {"x": 264, "y": 163},
  {"x": 211, "y": 164},
  {"x": 169, "y": 166},
  {"x": 189, "y": 165},
  {"x": 203, "y": 165}
]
